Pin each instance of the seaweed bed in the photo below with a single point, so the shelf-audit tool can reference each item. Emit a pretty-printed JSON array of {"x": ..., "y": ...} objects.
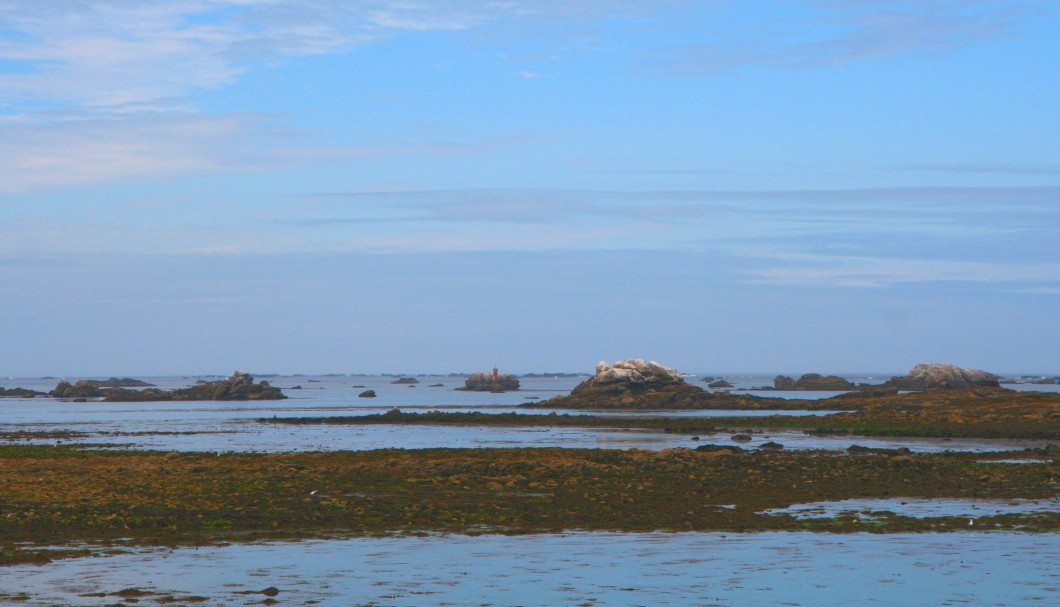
[
  {"x": 55, "y": 495},
  {"x": 888, "y": 420}
]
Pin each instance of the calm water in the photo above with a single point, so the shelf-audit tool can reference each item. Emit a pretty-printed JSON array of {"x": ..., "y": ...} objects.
[
  {"x": 599, "y": 569},
  {"x": 231, "y": 426}
]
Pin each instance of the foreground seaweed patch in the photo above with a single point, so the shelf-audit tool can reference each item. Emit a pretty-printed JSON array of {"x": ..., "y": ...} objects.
[{"x": 56, "y": 495}]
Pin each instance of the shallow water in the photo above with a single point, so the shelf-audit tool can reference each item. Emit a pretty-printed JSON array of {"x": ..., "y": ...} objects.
[
  {"x": 612, "y": 569},
  {"x": 921, "y": 507},
  {"x": 230, "y": 426}
]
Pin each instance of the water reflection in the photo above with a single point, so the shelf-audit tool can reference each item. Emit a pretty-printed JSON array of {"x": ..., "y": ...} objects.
[{"x": 611, "y": 569}]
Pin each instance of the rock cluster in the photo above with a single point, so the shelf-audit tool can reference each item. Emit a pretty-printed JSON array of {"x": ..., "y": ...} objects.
[
  {"x": 490, "y": 381},
  {"x": 82, "y": 389},
  {"x": 240, "y": 386},
  {"x": 931, "y": 376},
  {"x": 124, "y": 382},
  {"x": 812, "y": 381}
]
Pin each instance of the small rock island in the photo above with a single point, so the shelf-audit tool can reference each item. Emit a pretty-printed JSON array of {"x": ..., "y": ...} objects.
[
  {"x": 490, "y": 381},
  {"x": 936, "y": 376},
  {"x": 633, "y": 384},
  {"x": 813, "y": 381}
]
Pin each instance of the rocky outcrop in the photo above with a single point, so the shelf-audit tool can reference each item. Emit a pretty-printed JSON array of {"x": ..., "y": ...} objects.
[
  {"x": 240, "y": 386},
  {"x": 636, "y": 372},
  {"x": 82, "y": 389},
  {"x": 367, "y": 394},
  {"x": 124, "y": 382},
  {"x": 633, "y": 384},
  {"x": 934, "y": 376},
  {"x": 406, "y": 380},
  {"x": 719, "y": 384},
  {"x": 487, "y": 381},
  {"x": 812, "y": 381}
]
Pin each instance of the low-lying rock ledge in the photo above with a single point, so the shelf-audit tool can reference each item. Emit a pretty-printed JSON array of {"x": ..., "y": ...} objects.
[{"x": 19, "y": 393}]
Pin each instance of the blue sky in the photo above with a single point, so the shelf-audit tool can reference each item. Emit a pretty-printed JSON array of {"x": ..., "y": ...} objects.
[{"x": 313, "y": 186}]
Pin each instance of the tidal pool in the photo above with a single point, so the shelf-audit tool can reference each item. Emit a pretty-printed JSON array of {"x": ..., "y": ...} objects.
[
  {"x": 613, "y": 569},
  {"x": 921, "y": 507}
]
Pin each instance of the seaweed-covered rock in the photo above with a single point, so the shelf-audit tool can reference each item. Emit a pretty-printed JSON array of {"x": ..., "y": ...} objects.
[
  {"x": 19, "y": 393},
  {"x": 812, "y": 381},
  {"x": 367, "y": 394},
  {"x": 485, "y": 381},
  {"x": 719, "y": 384},
  {"x": 82, "y": 389},
  {"x": 240, "y": 386},
  {"x": 406, "y": 380},
  {"x": 930, "y": 376}
]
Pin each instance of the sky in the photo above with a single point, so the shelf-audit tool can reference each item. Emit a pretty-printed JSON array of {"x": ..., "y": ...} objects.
[{"x": 311, "y": 186}]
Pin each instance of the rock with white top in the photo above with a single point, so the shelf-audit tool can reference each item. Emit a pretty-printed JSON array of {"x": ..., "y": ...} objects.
[{"x": 933, "y": 376}]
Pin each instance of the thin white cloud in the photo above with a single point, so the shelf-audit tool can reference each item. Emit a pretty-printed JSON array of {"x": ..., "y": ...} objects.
[
  {"x": 877, "y": 272},
  {"x": 835, "y": 33}
]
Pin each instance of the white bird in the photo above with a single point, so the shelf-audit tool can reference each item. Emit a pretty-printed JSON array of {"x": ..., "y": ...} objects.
[
  {"x": 971, "y": 522},
  {"x": 314, "y": 492}
]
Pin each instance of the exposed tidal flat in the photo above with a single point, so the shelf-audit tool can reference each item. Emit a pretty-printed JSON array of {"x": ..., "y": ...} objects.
[{"x": 525, "y": 506}]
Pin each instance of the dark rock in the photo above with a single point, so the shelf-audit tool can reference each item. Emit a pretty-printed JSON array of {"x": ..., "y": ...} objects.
[
  {"x": 406, "y": 380},
  {"x": 82, "y": 389},
  {"x": 741, "y": 438},
  {"x": 19, "y": 393},
  {"x": 812, "y": 381},
  {"x": 298, "y": 387},
  {"x": 271, "y": 591},
  {"x": 771, "y": 445},
  {"x": 485, "y": 381},
  {"x": 436, "y": 386},
  {"x": 934, "y": 376},
  {"x": 124, "y": 382},
  {"x": 712, "y": 448},
  {"x": 367, "y": 394},
  {"x": 721, "y": 383},
  {"x": 240, "y": 386}
]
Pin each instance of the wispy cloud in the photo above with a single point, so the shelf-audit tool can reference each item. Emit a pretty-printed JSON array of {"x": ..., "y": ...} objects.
[
  {"x": 834, "y": 33},
  {"x": 877, "y": 272}
]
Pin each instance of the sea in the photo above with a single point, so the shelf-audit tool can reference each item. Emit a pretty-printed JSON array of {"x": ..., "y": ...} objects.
[{"x": 573, "y": 568}]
